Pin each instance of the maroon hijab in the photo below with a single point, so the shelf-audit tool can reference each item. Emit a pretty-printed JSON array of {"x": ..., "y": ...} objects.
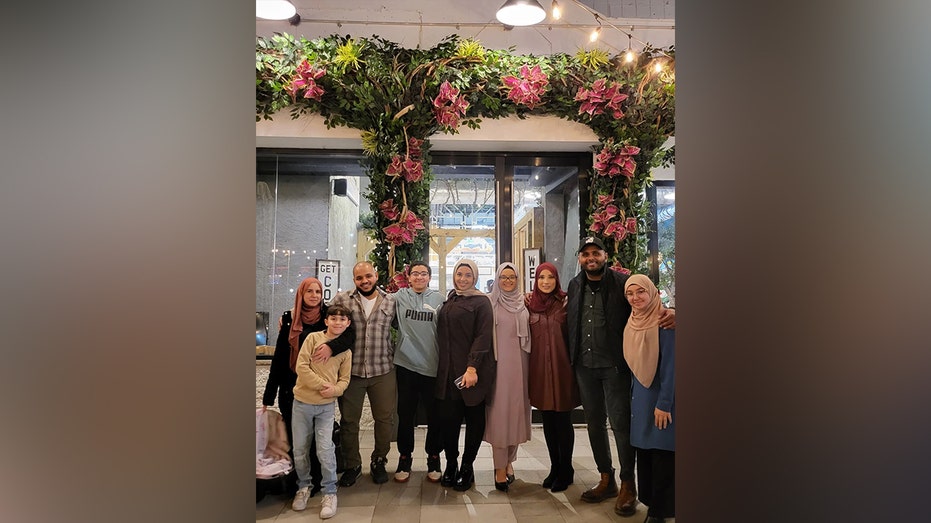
[{"x": 539, "y": 301}]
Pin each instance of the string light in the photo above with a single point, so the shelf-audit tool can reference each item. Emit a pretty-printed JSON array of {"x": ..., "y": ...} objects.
[
  {"x": 630, "y": 54},
  {"x": 595, "y": 34},
  {"x": 556, "y": 11}
]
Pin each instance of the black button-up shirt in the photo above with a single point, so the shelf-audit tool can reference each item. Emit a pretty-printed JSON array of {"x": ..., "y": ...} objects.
[{"x": 595, "y": 352}]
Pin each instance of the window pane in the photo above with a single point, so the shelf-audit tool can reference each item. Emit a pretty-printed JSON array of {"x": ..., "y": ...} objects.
[{"x": 666, "y": 242}]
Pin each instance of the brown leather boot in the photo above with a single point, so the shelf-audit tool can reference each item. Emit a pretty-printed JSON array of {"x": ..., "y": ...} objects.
[
  {"x": 606, "y": 488},
  {"x": 626, "y": 504}
]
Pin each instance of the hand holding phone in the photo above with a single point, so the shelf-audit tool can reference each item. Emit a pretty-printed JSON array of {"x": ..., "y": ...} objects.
[{"x": 458, "y": 382}]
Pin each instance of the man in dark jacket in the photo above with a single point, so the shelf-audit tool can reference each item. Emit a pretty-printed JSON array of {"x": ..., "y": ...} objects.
[{"x": 597, "y": 314}]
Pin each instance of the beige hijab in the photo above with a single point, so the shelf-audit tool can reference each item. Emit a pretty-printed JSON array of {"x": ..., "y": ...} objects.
[
  {"x": 471, "y": 291},
  {"x": 641, "y": 335}
]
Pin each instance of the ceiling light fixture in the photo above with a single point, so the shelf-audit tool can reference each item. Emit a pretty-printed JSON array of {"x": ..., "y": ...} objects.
[
  {"x": 521, "y": 12},
  {"x": 274, "y": 9}
]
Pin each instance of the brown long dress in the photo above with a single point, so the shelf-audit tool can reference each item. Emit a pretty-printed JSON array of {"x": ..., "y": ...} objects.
[{"x": 552, "y": 380}]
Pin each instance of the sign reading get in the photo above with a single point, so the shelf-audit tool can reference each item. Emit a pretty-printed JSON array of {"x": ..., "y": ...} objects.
[{"x": 328, "y": 274}]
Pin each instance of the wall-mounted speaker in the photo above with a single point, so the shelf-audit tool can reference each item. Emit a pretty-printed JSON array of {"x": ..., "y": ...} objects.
[{"x": 339, "y": 187}]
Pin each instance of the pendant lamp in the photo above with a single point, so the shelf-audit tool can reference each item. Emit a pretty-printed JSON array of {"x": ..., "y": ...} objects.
[
  {"x": 274, "y": 9},
  {"x": 521, "y": 12}
]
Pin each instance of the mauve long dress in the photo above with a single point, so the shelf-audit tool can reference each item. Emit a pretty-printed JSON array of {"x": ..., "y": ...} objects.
[{"x": 508, "y": 413}]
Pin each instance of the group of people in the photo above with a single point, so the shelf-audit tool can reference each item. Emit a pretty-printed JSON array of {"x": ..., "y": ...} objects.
[{"x": 483, "y": 359}]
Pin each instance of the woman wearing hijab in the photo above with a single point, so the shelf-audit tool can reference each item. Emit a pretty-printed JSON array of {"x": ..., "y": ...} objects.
[
  {"x": 306, "y": 317},
  {"x": 553, "y": 390},
  {"x": 464, "y": 340},
  {"x": 508, "y": 415},
  {"x": 650, "y": 353}
]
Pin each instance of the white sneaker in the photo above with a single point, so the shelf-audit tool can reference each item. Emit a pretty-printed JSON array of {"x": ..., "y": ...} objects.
[
  {"x": 402, "y": 476},
  {"x": 328, "y": 506},
  {"x": 300, "y": 499}
]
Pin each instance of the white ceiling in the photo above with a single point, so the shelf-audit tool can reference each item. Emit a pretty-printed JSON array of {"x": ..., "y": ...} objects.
[{"x": 423, "y": 23}]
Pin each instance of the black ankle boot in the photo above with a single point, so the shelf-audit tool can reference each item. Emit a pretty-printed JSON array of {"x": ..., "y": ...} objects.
[
  {"x": 548, "y": 480},
  {"x": 449, "y": 476},
  {"x": 564, "y": 478},
  {"x": 465, "y": 478}
]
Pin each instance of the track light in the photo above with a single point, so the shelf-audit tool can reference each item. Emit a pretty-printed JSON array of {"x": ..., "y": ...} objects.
[
  {"x": 274, "y": 9},
  {"x": 521, "y": 12}
]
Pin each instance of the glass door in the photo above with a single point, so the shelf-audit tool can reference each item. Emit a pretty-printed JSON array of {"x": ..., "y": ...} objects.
[{"x": 496, "y": 207}]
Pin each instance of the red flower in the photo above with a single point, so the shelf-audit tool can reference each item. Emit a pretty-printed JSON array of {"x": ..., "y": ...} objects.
[
  {"x": 396, "y": 234},
  {"x": 620, "y": 269},
  {"x": 398, "y": 281},
  {"x": 306, "y": 81},
  {"x": 631, "y": 225},
  {"x": 396, "y": 168},
  {"x": 617, "y": 230},
  {"x": 389, "y": 209},
  {"x": 601, "y": 97},
  {"x": 413, "y": 170},
  {"x": 449, "y": 107},
  {"x": 529, "y": 88},
  {"x": 616, "y": 159},
  {"x": 412, "y": 222},
  {"x": 405, "y": 230},
  {"x": 413, "y": 147}
]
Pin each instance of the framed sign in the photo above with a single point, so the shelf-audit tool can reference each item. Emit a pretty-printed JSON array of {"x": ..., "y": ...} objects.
[
  {"x": 328, "y": 274},
  {"x": 532, "y": 258}
]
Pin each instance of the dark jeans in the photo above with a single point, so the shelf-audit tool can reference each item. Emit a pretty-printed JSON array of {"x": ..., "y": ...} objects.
[
  {"x": 451, "y": 412},
  {"x": 285, "y": 404},
  {"x": 606, "y": 394},
  {"x": 656, "y": 478},
  {"x": 416, "y": 389}
]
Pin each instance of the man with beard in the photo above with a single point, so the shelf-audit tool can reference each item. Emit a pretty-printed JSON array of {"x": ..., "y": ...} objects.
[
  {"x": 597, "y": 313},
  {"x": 372, "y": 373}
]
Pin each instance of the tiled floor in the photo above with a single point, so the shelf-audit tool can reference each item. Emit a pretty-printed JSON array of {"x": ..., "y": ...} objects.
[{"x": 422, "y": 501}]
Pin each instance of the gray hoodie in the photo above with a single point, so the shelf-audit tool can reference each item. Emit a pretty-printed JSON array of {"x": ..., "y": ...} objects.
[{"x": 416, "y": 317}]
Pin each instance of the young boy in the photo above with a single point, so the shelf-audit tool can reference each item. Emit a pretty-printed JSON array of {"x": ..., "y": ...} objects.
[{"x": 318, "y": 385}]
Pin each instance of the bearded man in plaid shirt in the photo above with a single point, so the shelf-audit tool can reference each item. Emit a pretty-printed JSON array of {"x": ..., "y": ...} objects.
[{"x": 372, "y": 373}]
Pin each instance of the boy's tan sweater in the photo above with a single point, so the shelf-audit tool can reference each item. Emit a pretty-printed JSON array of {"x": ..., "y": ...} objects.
[{"x": 312, "y": 376}]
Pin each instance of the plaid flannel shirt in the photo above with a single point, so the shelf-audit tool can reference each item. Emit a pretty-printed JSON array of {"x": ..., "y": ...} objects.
[{"x": 373, "y": 354}]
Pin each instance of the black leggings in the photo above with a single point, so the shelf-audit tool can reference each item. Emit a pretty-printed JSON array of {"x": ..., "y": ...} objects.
[
  {"x": 560, "y": 439},
  {"x": 656, "y": 478},
  {"x": 451, "y": 413}
]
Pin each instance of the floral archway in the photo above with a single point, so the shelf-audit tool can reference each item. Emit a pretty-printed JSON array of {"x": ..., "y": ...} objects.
[{"x": 398, "y": 98}]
